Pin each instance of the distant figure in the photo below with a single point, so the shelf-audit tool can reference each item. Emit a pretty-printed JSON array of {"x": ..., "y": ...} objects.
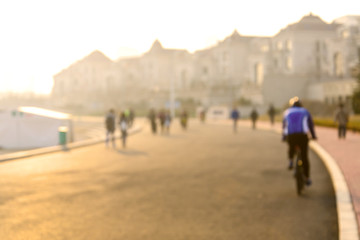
[
  {"x": 254, "y": 116},
  {"x": 184, "y": 119},
  {"x": 123, "y": 124},
  {"x": 162, "y": 116},
  {"x": 271, "y": 113},
  {"x": 235, "y": 115},
  {"x": 131, "y": 117},
  {"x": 127, "y": 116},
  {"x": 152, "y": 118},
  {"x": 110, "y": 128},
  {"x": 202, "y": 116},
  {"x": 167, "y": 121},
  {"x": 342, "y": 118}
]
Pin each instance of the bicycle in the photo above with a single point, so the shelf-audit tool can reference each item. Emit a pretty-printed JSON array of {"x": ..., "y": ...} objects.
[{"x": 299, "y": 172}]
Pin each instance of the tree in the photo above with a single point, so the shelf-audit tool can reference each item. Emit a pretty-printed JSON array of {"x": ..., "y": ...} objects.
[
  {"x": 356, "y": 101},
  {"x": 243, "y": 102},
  {"x": 356, "y": 95}
]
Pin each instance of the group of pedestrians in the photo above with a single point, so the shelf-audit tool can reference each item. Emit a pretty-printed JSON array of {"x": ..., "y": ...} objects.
[
  {"x": 235, "y": 116},
  {"x": 297, "y": 126},
  {"x": 125, "y": 121},
  {"x": 164, "y": 118}
]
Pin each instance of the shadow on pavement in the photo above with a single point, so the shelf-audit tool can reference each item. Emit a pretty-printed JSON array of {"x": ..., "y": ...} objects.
[
  {"x": 130, "y": 152},
  {"x": 171, "y": 135}
]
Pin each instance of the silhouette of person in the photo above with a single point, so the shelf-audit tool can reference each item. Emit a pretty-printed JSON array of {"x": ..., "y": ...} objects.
[
  {"x": 342, "y": 118},
  {"x": 235, "y": 115},
  {"x": 110, "y": 127},
  {"x": 152, "y": 118},
  {"x": 123, "y": 123},
  {"x": 254, "y": 116},
  {"x": 272, "y": 113}
]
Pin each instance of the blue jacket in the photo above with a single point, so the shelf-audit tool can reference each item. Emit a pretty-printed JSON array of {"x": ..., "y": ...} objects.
[
  {"x": 235, "y": 114},
  {"x": 298, "y": 120}
]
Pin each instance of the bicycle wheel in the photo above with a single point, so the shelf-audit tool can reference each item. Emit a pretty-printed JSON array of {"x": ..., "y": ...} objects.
[{"x": 299, "y": 176}]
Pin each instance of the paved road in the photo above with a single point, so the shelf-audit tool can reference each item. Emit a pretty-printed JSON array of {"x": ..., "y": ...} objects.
[
  {"x": 205, "y": 183},
  {"x": 88, "y": 127}
]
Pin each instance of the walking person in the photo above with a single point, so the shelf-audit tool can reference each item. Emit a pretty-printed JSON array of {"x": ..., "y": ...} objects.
[
  {"x": 254, "y": 116},
  {"x": 341, "y": 118},
  {"x": 167, "y": 121},
  {"x": 162, "y": 116},
  {"x": 127, "y": 114},
  {"x": 110, "y": 128},
  {"x": 184, "y": 119},
  {"x": 152, "y": 118},
  {"x": 271, "y": 113},
  {"x": 123, "y": 124},
  {"x": 202, "y": 116},
  {"x": 235, "y": 115},
  {"x": 131, "y": 117}
]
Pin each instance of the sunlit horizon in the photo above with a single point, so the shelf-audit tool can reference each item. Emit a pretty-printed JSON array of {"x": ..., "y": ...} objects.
[{"x": 43, "y": 38}]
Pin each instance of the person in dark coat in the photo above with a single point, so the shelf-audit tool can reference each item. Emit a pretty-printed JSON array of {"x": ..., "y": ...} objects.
[
  {"x": 271, "y": 113},
  {"x": 110, "y": 127},
  {"x": 162, "y": 116},
  {"x": 254, "y": 116},
  {"x": 152, "y": 118},
  {"x": 342, "y": 118}
]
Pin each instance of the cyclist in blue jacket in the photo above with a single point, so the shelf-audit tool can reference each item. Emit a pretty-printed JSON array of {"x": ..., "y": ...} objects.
[{"x": 297, "y": 123}]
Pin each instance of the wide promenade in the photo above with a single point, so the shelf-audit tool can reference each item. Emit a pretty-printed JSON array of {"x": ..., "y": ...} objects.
[{"x": 203, "y": 183}]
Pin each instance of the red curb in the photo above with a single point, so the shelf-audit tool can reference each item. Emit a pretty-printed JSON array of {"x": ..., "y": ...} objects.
[{"x": 347, "y": 155}]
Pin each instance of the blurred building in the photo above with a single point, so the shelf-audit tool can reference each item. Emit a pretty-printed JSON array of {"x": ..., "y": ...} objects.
[
  {"x": 153, "y": 75},
  {"x": 310, "y": 58},
  {"x": 233, "y": 69},
  {"x": 84, "y": 82}
]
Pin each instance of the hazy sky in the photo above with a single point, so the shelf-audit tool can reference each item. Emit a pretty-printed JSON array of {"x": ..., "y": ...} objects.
[{"x": 39, "y": 38}]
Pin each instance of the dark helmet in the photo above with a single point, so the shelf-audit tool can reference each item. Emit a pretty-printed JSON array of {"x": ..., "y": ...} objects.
[{"x": 295, "y": 102}]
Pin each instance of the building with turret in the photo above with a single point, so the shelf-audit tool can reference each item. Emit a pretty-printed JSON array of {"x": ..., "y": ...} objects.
[
  {"x": 310, "y": 58},
  {"x": 302, "y": 54}
]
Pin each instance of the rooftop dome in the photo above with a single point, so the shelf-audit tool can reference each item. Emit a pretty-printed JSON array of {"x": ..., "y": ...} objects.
[{"x": 311, "y": 22}]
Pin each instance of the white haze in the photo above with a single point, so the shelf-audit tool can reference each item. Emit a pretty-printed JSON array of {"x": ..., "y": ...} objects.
[{"x": 39, "y": 38}]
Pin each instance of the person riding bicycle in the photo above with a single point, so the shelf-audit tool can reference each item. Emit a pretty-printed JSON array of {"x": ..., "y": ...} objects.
[{"x": 297, "y": 123}]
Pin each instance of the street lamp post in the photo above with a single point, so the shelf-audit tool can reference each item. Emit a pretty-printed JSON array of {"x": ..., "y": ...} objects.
[{"x": 172, "y": 96}]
